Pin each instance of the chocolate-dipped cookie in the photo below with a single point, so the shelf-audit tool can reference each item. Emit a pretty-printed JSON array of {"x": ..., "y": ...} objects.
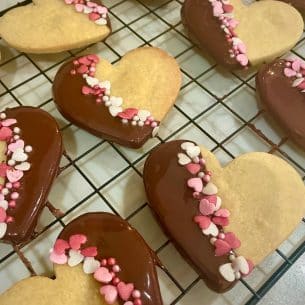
[
  {"x": 45, "y": 26},
  {"x": 280, "y": 86},
  {"x": 31, "y": 149},
  {"x": 221, "y": 219},
  {"x": 98, "y": 259},
  {"x": 123, "y": 103},
  {"x": 237, "y": 35}
]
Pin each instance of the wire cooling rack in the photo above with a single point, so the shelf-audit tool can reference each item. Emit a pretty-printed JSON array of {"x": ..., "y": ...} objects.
[{"x": 215, "y": 108}]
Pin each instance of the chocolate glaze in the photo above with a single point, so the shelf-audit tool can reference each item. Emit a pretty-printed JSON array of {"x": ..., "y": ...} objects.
[
  {"x": 298, "y": 4},
  {"x": 40, "y": 130},
  {"x": 284, "y": 102},
  {"x": 174, "y": 206},
  {"x": 114, "y": 237},
  {"x": 197, "y": 17},
  {"x": 83, "y": 111}
]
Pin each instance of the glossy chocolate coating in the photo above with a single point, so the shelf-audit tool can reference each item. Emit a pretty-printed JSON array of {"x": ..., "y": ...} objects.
[
  {"x": 298, "y": 4},
  {"x": 114, "y": 237},
  {"x": 283, "y": 102},
  {"x": 197, "y": 17},
  {"x": 40, "y": 130},
  {"x": 83, "y": 111},
  {"x": 174, "y": 206}
]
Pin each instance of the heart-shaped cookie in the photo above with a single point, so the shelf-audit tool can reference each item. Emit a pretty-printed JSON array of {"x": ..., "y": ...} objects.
[
  {"x": 123, "y": 103},
  {"x": 46, "y": 26},
  {"x": 280, "y": 86},
  {"x": 238, "y": 35},
  {"x": 223, "y": 220},
  {"x": 116, "y": 267},
  {"x": 31, "y": 149}
]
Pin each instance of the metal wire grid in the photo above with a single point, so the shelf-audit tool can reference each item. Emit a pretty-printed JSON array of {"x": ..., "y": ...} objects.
[{"x": 257, "y": 295}]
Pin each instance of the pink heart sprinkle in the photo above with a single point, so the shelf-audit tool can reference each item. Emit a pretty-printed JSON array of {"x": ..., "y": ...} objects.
[
  {"x": 82, "y": 69},
  {"x": 233, "y": 23},
  {"x": 94, "y": 16},
  {"x": 193, "y": 168},
  {"x": 59, "y": 259},
  {"x": 8, "y": 122},
  {"x": 103, "y": 275},
  {"x": 2, "y": 215},
  {"x": 296, "y": 65},
  {"x": 221, "y": 221},
  {"x": 289, "y": 72},
  {"x": 102, "y": 10},
  {"x": 110, "y": 292},
  {"x": 125, "y": 290},
  {"x": 228, "y": 8},
  {"x": 206, "y": 207},
  {"x": 5, "y": 133},
  {"x": 60, "y": 246},
  {"x": 242, "y": 59},
  {"x": 91, "y": 4},
  {"x": 221, "y": 247},
  {"x": 223, "y": 213},
  {"x": 302, "y": 85},
  {"x": 242, "y": 48},
  {"x": 128, "y": 113},
  {"x": 18, "y": 144},
  {"x": 217, "y": 10},
  {"x": 232, "y": 240},
  {"x": 211, "y": 198},
  {"x": 79, "y": 7},
  {"x": 203, "y": 221},
  {"x": 195, "y": 183},
  {"x": 89, "y": 252},
  {"x": 87, "y": 90},
  {"x": 3, "y": 169},
  {"x": 14, "y": 175},
  {"x": 77, "y": 240}
]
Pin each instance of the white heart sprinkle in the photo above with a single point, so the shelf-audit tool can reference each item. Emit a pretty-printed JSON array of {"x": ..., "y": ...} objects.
[
  {"x": 186, "y": 145},
  {"x": 297, "y": 82},
  {"x": 92, "y": 81},
  {"x": 210, "y": 189},
  {"x": 3, "y": 228},
  {"x": 4, "y": 204},
  {"x": 87, "y": 10},
  {"x": 236, "y": 41},
  {"x": 24, "y": 166},
  {"x": 19, "y": 155},
  {"x": 143, "y": 115},
  {"x": 90, "y": 265},
  {"x": 75, "y": 258},
  {"x": 105, "y": 84},
  {"x": 155, "y": 131},
  {"x": 211, "y": 230},
  {"x": 193, "y": 152},
  {"x": 227, "y": 272},
  {"x": 115, "y": 110},
  {"x": 240, "y": 264},
  {"x": 101, "y": 21},
  {"x": 183, "y": 159},
  {"x": 218, "y": 203},
  {"x": 116, "y": 101}
]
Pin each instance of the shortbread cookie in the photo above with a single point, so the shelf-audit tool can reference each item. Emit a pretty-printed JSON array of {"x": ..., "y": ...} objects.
[
  {"x": 223, "y": 220},
  {"x": 281, "y": 89},
  {"x": 239, "y": 36},
  {"x": 51, "y": 26},
  {"x": 30, "y": 152},
  {"x": 98, "y": 259},
  {"x": 123, "y": 103}
]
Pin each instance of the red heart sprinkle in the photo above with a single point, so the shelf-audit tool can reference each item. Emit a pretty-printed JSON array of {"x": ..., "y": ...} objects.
[
  {"x": 221, "y": 221},
  {"x": 193, "y": 168},
  {"x": 128, "y": 113},
  {"x": 228, "y": 8},
  {"x": 3, "y": 169},
  {"x": 5, "y": 133},
  {"x": 125, "y": 290},
  {"x": 302, "y": 85},
  {"x": 82, "y": 69},
  {"x": 232, "y": 240},
  {"x": 89, "y": 252},
  {"x": 61, "y": 246},
  {"x": 84, "y": 61},
  {"x": 2, "y": 214},
  {"x": 94, "y": 16},
  {"x": 203, "y": 221},
  {"x": 77, "y": 240},
  {"x": 87, "y": 90},
  {"x": 221, "y": 247}
]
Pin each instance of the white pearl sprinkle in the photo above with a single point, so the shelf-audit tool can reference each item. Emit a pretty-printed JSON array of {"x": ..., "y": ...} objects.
[
  {"x": 108, "y": 104},
  {"x": 105, "y": 98},
  {"x": 16, "y": 137},
  {"x": 212, "y": 240},
  {"x": 28, "y": 149},
  {"x": 16, "y": 129},
  {"x": 232, "y": 257},
  {"x": 133, "y": 123},
  {"x": 201, "y": 174},
  {"x": 85, "y": 75},
  {"x": 11, "y": 162},
  {"x": 2, "y": 115},
  {"x": 140, "y": 123},
  {"x": 124, "y": 121},
  {"x": 5, "y": 191}
]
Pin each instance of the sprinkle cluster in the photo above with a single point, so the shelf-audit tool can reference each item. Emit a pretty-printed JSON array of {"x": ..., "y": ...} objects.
[
  {"x": 105, "y": 271},
  {"x": 95, "y": 12},
  {"x": 13, "y": 169},
  {"x": 223, "y": 10},
  {"x": 295, "y": 68},
  {"x": 212, "y": 218},
  {"x": 86, "y": 66}
]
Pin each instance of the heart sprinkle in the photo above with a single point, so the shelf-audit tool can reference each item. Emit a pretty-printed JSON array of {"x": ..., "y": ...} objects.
[
  {"x": 86, "y": 66},
  {"x": 13, "y": 169},
  {"x": 212, "y": 219},
  {"x": 295, "y": 69},
  {"x": 224, "y": 11},
  {"x": 94, "y": 11},
  {"x": 104, "y": 271}
]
